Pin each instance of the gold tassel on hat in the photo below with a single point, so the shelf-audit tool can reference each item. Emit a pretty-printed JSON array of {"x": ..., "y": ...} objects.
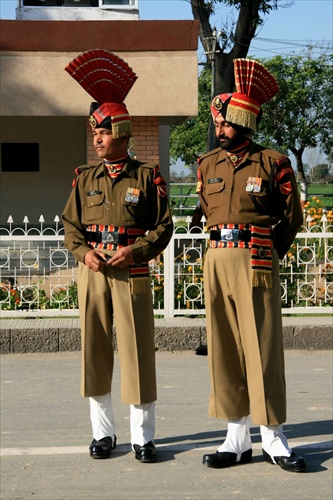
[
  {"x": 241, "y": 116},
  {"x": 121, "y": 129},
  {"x": 254, "y": 86}
]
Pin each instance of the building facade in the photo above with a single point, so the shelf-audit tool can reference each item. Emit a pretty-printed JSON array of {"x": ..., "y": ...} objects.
[{"x": 44, "y": 129}]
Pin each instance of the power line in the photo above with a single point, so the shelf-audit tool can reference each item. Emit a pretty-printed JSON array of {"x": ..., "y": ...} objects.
[{"x": 299, "y": 43}]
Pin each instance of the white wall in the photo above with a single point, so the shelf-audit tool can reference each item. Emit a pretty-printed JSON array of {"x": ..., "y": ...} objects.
[{"x": 75, "y": 14}]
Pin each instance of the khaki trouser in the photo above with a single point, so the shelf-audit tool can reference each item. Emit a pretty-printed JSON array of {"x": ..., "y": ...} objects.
[
  {"x": 102, "y": 296},
  {"x": 244, "y": 338}
]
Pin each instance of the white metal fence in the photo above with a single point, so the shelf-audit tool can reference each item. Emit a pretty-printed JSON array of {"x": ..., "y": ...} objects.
[{"x": 38, "y": 274}]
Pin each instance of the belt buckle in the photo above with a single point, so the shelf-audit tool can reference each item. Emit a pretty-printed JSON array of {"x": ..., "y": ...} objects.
[
  {"x": 229, "y": 235},
  {"x": 110, "y": 237}
]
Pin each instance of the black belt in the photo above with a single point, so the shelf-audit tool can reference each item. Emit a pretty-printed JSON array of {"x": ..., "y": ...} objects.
[
  {"x": 107, "y": 237},
  {"x": 233, "y": 235}
]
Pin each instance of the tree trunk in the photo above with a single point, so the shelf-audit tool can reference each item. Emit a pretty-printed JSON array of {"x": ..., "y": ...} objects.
[
  {"x": 223, "y": 79},
  {"x": 247, "y": 23},
  {"x": 298, "y": 153}
]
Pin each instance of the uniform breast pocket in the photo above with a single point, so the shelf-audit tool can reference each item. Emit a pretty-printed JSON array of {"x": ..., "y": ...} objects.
[
  {"x": 214, "y": 193},
  {"x": 261, "y": 200},
  {"x": 134, "y": 204},
  {"x": 93, "y": 206}
]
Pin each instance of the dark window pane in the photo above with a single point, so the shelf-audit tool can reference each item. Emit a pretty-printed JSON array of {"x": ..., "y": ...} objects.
[
  {"x": 41, "y": 3},
  {"x": 77, "y": 3},
  {"x": 19, "y": 157},
  {"x": 116, "y": 2}
]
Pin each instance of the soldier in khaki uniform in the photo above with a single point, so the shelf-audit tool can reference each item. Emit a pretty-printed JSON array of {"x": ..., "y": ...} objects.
[
  {"x": 249, "y": 197},
  {"x": 117, "y": 218}
]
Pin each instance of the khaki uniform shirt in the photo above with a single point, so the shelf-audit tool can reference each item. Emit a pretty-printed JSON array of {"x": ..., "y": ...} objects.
[
  {"x": 225, "y": 197},
  {"x": 97, "y": 199}
]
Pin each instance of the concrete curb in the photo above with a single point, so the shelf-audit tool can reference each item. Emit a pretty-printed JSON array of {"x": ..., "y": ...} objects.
[{"x": 177, "y": 334}]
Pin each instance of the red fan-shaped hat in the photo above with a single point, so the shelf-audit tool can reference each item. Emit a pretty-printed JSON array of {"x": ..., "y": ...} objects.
[
  {"x": 217, "y": 104},
  {"x": 255, "y": 85},
  {"x": 108, "y": 79}
]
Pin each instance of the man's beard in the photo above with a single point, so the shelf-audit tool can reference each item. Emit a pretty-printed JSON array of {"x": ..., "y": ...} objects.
[{"x": 231, "y": 144}]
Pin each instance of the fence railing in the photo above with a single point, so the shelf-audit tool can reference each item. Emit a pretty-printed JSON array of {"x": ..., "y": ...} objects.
[{"x": 38, "y": 275}]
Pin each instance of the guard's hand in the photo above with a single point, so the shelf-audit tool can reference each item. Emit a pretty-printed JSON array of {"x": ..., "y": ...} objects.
[
  {"x": 122, "y": 258},
  {"x": 96, "y": 260}
]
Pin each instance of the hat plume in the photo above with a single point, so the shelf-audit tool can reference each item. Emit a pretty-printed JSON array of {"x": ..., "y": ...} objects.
[
  {"x": 103, "y": 75},
  {"x": 254, "y": 80}
]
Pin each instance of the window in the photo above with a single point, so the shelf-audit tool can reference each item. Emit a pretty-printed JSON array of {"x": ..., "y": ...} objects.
[
  {"x": 60, "y": 3},
  {"x": 76, "y": 3},
  {"x": 117, "y": 2},
  {"x": 79, "y": 3},
  {"x": 20, "y": 157},
  {"x": 40, "y": 3}
]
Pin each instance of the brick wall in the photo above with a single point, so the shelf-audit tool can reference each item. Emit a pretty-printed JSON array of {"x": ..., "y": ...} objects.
[{"x": 146, "y": 140}]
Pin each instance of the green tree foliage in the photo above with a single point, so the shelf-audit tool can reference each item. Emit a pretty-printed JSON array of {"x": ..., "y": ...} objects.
[
  {"x": 320, "y": 172},
  {"x": 301, "y": 115},
  {"x": 188, "y": 141}
]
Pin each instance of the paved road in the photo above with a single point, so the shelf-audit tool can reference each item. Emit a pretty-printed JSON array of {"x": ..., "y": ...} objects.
[{"x": 45, "y": 433}]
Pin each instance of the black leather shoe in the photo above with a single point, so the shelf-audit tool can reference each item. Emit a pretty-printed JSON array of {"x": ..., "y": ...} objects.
[
  {"x": 294, "y": 463},
  {"x": 103, "y": 447},
  {"x": 145, "y": 453},
  {"x": 221, "y": 459}
]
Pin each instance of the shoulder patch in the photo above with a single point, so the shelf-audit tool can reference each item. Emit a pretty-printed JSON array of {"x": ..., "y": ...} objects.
[
  {"x": 159, "y": 181},
  {"x": 199, "y": 186},
  {"x": 283, "y": 168},
  {"x": 286, "y": 188}
]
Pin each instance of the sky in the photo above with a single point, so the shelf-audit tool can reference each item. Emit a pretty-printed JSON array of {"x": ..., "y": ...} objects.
[{"x": 285, "y": 31}]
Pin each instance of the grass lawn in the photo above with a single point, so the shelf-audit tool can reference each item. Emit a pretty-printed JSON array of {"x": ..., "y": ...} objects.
[{"x": 323, "y": 192}]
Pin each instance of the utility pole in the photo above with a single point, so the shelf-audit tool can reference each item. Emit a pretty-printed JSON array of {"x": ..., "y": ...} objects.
[{"x": 211, "y": 133}]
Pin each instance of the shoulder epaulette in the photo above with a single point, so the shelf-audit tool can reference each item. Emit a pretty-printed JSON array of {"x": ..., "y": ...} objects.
[
  {"x": 210, "y": 153},
  {"x": 79, "y": 171},
  {"x": 148, "y": 165},
  {"x": 273, "y": 154},
  {"x": 81, "y": 168}
]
